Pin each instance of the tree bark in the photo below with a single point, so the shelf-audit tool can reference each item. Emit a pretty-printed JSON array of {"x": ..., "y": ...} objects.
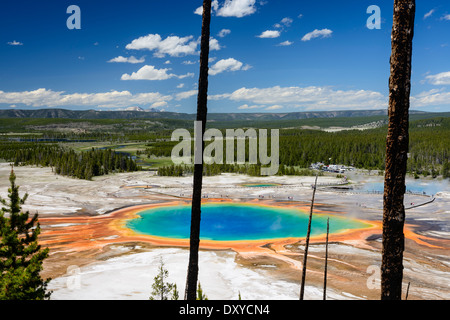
[
  {"x": 396, "y": 150},
  {"x": 202, "y": 110}
]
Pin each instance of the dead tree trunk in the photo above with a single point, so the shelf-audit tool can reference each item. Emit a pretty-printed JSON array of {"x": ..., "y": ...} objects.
[
  {"x": 326, "y": 263},
  {"x": 407, "y": 291},
  {"x": 202, "y": 110},
  {"x": 305, "y": 255},
  {"x": 396, "y": 150}
]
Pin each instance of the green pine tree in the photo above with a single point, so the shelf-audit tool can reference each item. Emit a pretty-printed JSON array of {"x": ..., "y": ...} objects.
[
  {"x": 21, "y": 256},
  {"x": 161, "y": 288},
  {"x": 175, "y": 293},
  {"x": 200, "y": 294},
  {"x": 446, "y": 170}
]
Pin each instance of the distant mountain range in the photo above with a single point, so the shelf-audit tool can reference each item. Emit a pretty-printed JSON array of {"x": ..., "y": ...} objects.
[{"x": 137, "y": 113}]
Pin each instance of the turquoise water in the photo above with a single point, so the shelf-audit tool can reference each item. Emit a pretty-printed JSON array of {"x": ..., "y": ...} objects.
[{"x": 234, "y": 222}]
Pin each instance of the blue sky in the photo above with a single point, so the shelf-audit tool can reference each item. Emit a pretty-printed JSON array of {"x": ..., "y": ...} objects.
[{"x": 266, "y": 56}]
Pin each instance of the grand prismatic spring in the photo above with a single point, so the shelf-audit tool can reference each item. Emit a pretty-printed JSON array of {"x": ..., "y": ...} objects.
[{"x": 236, "y": 222}]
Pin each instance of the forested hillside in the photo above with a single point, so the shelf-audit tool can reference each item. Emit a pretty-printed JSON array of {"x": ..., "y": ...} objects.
[
  {"x": 155, "y": 114},
  {"x": 58, "y": 142},
  {"x": 428, "y": 151},
  {"x": 65, "y": 161}
]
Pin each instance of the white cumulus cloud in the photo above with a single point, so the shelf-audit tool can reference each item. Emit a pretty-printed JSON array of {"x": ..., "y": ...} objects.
[
  {"x": 285, "y": 43},
  {"x": 214, "y": 7},
  {"x": 246, "y": 106},
  {"x": 229, "y": 64},
  {"x": 237, "y": 8},
  {"x": 15, "y": 43},
  {"x": 131, "y": 59},
  {"x": 151, "y": 73},
  {"x": 231, "y": 8},
  {"x": 432, "y": 97},
  {"x": 287, "y": 21},
  {"x": 324, "y": 33},
  {"x": 428, "y": 14},
  {"x": 274, "y": 107},
  {"x": 48, "y": 98},
  {"x": 442, "y": 78},
  {"x": 224, "y": 32},
  {"x": 185, "y": 94},
  {"x": 269, "y": 34},
  {"x": 320, "y": 98},
  {"x": 213, "y": 44},
  {"x": 173, "y": 46}
]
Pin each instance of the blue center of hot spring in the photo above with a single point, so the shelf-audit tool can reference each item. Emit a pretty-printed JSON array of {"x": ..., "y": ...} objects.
[{"x": 235, "y": 222}]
